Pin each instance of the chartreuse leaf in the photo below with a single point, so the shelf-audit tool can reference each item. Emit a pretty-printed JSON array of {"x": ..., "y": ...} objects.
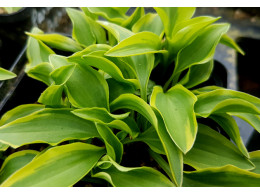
[
  {"x": 187, "y": 31},
  {"x": 205, "y": 89},
  {"x": 226, "y": 100},
  {"x": 129, "y": 22},
  {"x": 119, "y": 32},
  {"x": 16, "y": 161},
  {"x": 212, "y": 149},
  {"x": 228, "y": 176},
  {"x": 58, "y": 61},
  {"x": 173, "y": 153},
  {"x": 50, "y": 126},
  {"x": 229, "y": 125},
  {"x": 149, "y": 22},
  {"x": 143, "y": 65},
  {"x": 52, "y": 96},
  {"x": 3, "y": 147},
  {"x": 85, "y": 30},
  {"x": 202, "y": 49},
  {"x": 171, "y": 16},
  {"x": 107, "y": 66},
  {"x": 41, "y": 72},
  {"x": 255, "y": 158},
  {"x": 119, "y": 176},
  {"x": 82, "y": 27},
  {"x": 91, "y": 88},
  {"x": 197, "y": 74},
  {"x": 57, "y": 41},
  {"x": 37, "y": 52},
  {"x": 88, "y": 13},
  {"x": 101, "y": 115},
  {"x": 140, "y": 43},
  {"x": 133, "y": 102},
  {"x": 113, "y": 146},
  {"x": 226, "y": 40},
  {"x": 252, "y": 119},
  {"x": 176, "y": 107},
  {"x": 60, "y": 166},
  {"x": 112, "y": 14},
  {"x": 5, "y": 74},
  {"x": 62, "y": 74},
  {"x": 19, "y": 112}
]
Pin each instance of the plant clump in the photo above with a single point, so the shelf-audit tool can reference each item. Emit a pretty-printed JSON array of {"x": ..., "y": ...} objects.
[{"x": 126, "y": 106}]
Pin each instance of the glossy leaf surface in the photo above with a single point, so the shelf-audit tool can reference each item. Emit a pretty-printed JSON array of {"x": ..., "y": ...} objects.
[
  {"x": 212, "y": 149},
  {"x": 50, "y": 126},
  {"x": 225, "y": 100},
  {"x": 176, "y": 108},
  {"x": 5, "y": 74},
  {"x": 255, "y": 158},
  {"x": 16, "y": 161},
  {"x": 60, "y": 166},
  {"x": 120, "y": 176},
  {"x": 228, "y": 176}
]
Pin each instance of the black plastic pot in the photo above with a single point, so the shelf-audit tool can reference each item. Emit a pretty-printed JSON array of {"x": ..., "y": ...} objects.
[
  {"x": 249, "y": 79},
  {"x": 12, "y": 36}
]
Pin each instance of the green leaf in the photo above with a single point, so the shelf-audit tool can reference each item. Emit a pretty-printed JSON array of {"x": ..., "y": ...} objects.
[
  {"x": 50, "y": 126},
  {"x": 112, "y": 14},
  {"x": 91, "y": 88},
  {"x": 58, "y": 61},
  {"x": 255, "y": 158},
  {"x": 19, "y": 112},
  {"x": 119, "y": 32},
  {"x": 226, "y": 100},
  {"x": 226, "y": 40},
  {"x": 205, "y": 89},
  {"x": 129, "y": 22},
  {"x": 197, "y": 74},
  {"x": 60, "y": 166},
  {"x": 133, "y": 102},
  {"x": 37, "y": 52},
  {"x": 62, "y": 74},
  {"x": 149, "y": 22},
  {"x": 3, "y": 147},
  {"x": 140, "y": 43},
  {"x": 117, "y": 88},
  {"x": 176, "y": 108},
  {"x": 212, "y": 149},
  {"x": 101, "y": 115},
  {"x": 107, "y": 66},
  {"x": 229, "y": 125},
  {"x": 119, "y": 176},
  {"x": 52, "y": 96},
  {"x": 174, "y": 155},
  {"x": 57, "y": 41},
  {"x": 172, "y": 16},
  {"x": 82, "y": 27},
  {"x": 228, "y": 176},
  {"x": 5, "y": 74},
  {"x": 187, "y": 31},
  {"x": 16, "y": 161},
  {"x": 85, "y": 30},
  {"x": 143, "y": 65},
  {"x": 252, "y": 119},
  {"x": 113, "y": 146},
  {"x": 202, "y": 49},
  {"x": 41, "y": 72},
  {"x": 88, "y": 13}
]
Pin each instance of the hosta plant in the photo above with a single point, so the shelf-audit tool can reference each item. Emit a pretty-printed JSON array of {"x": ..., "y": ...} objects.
[{"x": 125, "y": 105}]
